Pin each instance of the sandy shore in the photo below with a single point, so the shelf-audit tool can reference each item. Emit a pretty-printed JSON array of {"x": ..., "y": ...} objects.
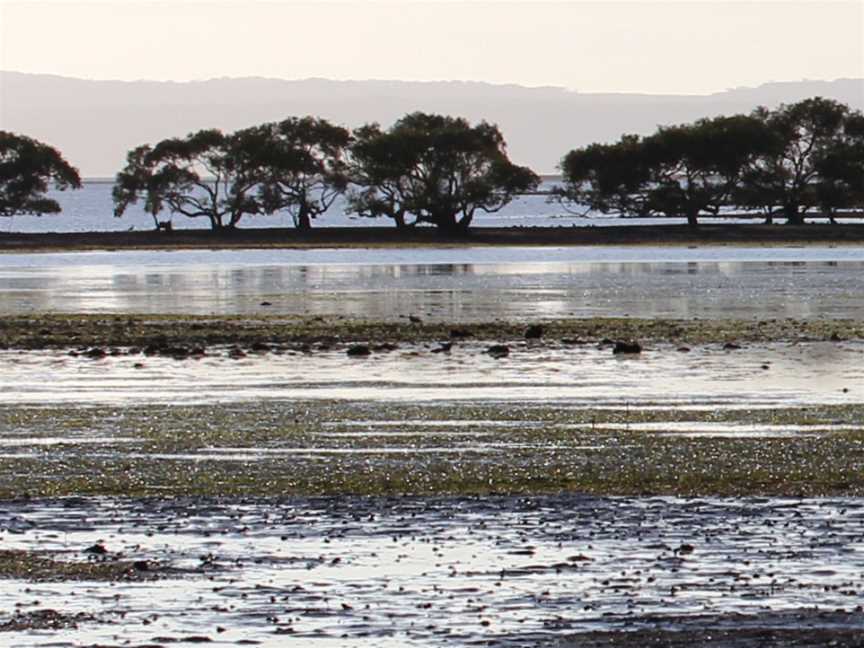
[{"x": 812, "y": 234}]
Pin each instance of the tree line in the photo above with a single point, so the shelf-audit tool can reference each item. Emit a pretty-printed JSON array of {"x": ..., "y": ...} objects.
[
  {"x": 442, "y": 171},
  {"x": 797, "y": 159}
]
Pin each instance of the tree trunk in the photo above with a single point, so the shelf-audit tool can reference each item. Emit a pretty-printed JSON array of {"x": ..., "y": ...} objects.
[
  {"x": 446, "y": 222},
  {"x": 693, "y": 218},
  {"x": 304, "y": 223},
  {"x": 793, "y": 216},
  {"x": 465, "y": 223}
]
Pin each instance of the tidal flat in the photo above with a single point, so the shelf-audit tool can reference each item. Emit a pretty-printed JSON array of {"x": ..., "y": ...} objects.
[
  {"x": 327, "y": 448},
  {"x": 170, "y": 479}
]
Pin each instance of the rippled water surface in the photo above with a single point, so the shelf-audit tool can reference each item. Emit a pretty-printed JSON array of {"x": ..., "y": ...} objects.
[{"x": 468, "y": 284}]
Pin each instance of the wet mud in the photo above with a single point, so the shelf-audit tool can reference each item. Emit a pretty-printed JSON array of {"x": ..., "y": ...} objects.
[
  {"x": 428, "y": 493},
  {"x": 508, "y": 571}
]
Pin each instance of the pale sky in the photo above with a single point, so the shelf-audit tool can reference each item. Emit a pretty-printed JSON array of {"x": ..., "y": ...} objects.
[{"x": 683, "y": 46}]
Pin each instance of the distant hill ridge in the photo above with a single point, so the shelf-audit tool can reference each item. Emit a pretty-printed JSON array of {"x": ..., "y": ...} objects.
[{"x": 94, "y": 123}]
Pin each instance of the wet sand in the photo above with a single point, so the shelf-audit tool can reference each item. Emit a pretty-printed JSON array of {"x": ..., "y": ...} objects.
[
  {"x": 841, "y": 234},
  {"x": 567, "y": 570}
]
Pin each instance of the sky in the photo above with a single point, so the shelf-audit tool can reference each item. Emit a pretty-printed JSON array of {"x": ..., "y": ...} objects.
[{"x": 673, "y": 46}]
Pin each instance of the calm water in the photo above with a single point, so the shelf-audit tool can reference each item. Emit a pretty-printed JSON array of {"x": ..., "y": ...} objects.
[{"x": 445, "y": 284}]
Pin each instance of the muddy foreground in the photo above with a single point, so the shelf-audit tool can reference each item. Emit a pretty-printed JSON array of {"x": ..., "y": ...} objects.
[
  {"x": 565, "y": 570},
  {"x": 592, "y": 519}
]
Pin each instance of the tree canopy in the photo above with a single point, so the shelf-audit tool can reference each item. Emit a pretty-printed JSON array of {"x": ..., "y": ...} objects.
[
  {"x": 300, "y": 164},
  {"x": 784, "y": 178},
  {"x": 840, "y": 168},
  {"x": 695, "y": 168},
  {"x": 204, "y": 175},
  {"x": 27, "y": 169},
  {"x": 786, "y": 161},
  {"x": 433, "y": 169},
  {"x": 295, "y": 165}
]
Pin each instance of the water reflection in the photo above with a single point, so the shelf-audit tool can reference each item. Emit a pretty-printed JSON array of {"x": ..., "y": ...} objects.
[{"x": 527, "y": 287}]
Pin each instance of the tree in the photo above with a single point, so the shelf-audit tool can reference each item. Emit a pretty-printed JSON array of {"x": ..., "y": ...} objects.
[
  {"x": 840, "y": 169},
  {"x": 783, "y": 179},
  {"x": 609, "y": 178},
  {"x": 207, "y": 174},
  {"x": 696, "y": 168},
  {"x": 301, "y": 166},
  {"x": 27, "y": 169},
  {"x": 681, "y": 170},
  {"x": 436, "y": 169}
]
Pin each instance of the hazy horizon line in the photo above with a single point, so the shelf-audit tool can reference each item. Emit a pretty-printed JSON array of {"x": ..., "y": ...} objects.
[{"x": 562, "y": 89}]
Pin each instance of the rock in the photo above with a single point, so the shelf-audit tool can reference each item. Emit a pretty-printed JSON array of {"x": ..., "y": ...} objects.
[
  {"x": 97, "y": 549},
  {"x": 498, "y": 351},
  {"x": 683, "y": 349},
  {"x": 236, "y": 353},
  {"x": 731, "y": 346},
  {"x": 95, "y": 353},
  {"x": 177, "y": 353},
  {"x": 627, "y": 347},
  {"x": 460, "y": 333},
  {"x": 414, "y": 319},
  {"x": 444, "y": 348},
  {"x": 385, "y": 346},
  {"x": 260, "y": 347},
  {"x": 358, "y": 351},
  {"x": 266, "y": 303},
  {"x": 534, "y": 332}
]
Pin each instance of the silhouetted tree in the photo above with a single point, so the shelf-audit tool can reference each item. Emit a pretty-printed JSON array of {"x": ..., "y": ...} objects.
[
  {"x": 840, "y": 169},
  {"x": 678, "y": 171},
  {"x": 436, "y": 169},
  {"x": 27, "y": 169},
  {"x": 783, "y": 179},
  {"x": 696, "y": 168},
  {"x": 609, "y": 178},
  {"x": 300, "y": 164},
  {"x": 207, "y": 175}
]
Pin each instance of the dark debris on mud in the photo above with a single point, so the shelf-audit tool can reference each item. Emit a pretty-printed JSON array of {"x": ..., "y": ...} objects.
[
  {"x": 45, "y": 620},
  {"x": 42, "y": 567},
  {"x": 189, "y": 336},
  {"x": 716, "y": 639}
]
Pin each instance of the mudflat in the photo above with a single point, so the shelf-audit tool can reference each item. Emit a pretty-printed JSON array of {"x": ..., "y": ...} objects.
[{"x": 347, "y": 237}]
